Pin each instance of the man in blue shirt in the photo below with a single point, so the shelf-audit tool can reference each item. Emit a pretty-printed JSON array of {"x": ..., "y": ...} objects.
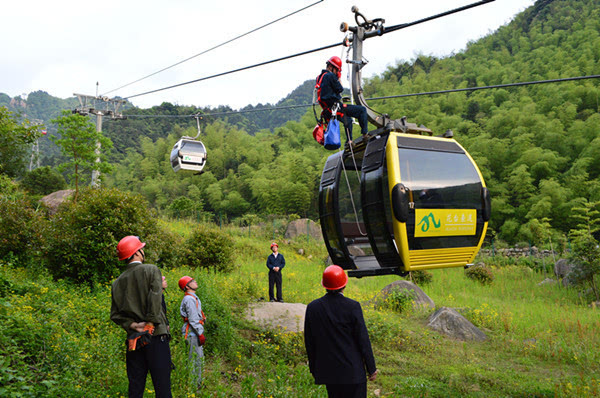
[{"x": 275, "y": 263}]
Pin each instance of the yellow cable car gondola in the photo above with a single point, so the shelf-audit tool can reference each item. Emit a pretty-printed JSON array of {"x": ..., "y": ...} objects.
[
  {"x": 399, "y": 199},
  {"x": 189, "y": 153}
]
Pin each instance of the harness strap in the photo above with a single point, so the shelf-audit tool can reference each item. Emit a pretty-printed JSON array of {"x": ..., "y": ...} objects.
[{"x": 186, "y": 320}]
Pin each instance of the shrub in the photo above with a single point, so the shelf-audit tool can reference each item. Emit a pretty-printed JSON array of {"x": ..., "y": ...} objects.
[
  {"x": 421, "y": 277},
  {"x": 21, "y": 225},
  {"x": 399, "y": 301},
  {"x": 43, "y": 181},
  {"x": 184, "y": 207},
  {"x": 163, "y": 248},
  {"x": 208, "y": 248},
  {"x": 83, "y": 235},
  {"x": 481, "y": 274}
]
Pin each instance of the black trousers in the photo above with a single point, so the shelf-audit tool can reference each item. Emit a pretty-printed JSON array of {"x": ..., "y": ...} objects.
[
  {"x": 347, "y": 390},
  {"x": 275, "y": 280},
  {"x": 360, "y": 113},
  {"x": 156, "y": 358}
]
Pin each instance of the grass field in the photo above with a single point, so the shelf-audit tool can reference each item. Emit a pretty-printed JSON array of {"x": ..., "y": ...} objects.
[{"x": 57, "y": 340}]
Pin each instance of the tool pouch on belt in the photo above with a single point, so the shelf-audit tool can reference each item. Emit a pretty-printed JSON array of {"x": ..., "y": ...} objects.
[{"x": 138, "y": 340}]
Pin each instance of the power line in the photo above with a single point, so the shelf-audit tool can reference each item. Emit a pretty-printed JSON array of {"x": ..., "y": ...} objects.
[
  {"x": 456, "y": 90},
  {"x": 431, "y": 18},
  {"x": 238, "y": 70},
  {"x": 507, "y": 85},
  {"x": 215, "y": 47},
  {"x": 379, "y": 32}
]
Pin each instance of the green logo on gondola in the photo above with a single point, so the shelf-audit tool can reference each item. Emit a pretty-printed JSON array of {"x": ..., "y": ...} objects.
[{"x": 425, "y": 221}]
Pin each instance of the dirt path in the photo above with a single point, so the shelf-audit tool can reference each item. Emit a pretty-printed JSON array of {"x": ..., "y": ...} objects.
[{"x": 286, "y": 316}]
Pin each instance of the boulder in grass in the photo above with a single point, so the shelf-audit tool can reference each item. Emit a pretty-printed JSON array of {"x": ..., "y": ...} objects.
[
  {"x": 301, "y": 227},
  {"x": 420, "y": 299},
  {"x": 449, "y": 322}
]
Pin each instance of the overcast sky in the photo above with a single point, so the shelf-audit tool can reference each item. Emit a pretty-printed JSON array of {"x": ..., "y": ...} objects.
[{"x": 66, "y": 46}]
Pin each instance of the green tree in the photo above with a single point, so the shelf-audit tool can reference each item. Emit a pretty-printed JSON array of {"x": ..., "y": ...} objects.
[
  {"x": 15, "y": 138},
  {"x": 83, "y": 235},
  {"x": 586, "y": 248},
  {"x": 79, "y": 142},
  {"x": 43, "y": 181}
]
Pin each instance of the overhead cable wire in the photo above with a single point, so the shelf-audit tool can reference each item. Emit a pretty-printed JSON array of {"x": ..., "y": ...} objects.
[
  {"x": 456, "y": 90},
  {"x": 507, "y": 85},
  {"x": 431, "y": 18},
  {"x": 238, "y": 70},
  {"x": 214, "y": 48},
  {"x": 385, "y": 30}
]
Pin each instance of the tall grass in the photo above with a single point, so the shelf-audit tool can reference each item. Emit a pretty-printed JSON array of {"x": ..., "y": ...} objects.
[{"x": 56, "y": 339}]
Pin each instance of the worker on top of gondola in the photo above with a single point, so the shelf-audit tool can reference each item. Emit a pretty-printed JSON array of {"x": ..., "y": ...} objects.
[{"x": 329, "y": 90}]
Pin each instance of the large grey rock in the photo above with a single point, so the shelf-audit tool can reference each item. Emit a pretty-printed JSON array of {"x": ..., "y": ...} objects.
[
  {"x": 449, "y": 322},
  {"x": 547, "y": 281},
  {"x": 55, "y": 199},
  {"x": 299, "y": 228},
  {"x": 287, "y": 317},
  {"x": 420, "y": 299},
  {"x": 562, "y": 268}
]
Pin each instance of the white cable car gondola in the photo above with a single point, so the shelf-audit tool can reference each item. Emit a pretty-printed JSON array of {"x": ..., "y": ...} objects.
[{"x": 189, "y": 153}]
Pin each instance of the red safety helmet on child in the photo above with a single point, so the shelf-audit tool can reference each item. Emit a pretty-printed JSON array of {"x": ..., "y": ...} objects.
[
  {"x": 335, "y": 61},
  {"x": 334, "y": 278},
  {"x": 128, "y": 246},
  {"x": 184, "y": 281},
  {"x": 274, "y": 244}
]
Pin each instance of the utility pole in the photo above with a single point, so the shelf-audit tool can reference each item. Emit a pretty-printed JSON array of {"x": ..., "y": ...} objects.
[
  {"x": 35, "y": 148},
  {"x": 99, "y": 106}
]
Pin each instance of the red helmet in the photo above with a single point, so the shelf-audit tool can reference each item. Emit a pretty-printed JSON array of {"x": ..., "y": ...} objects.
[
  {"x": 334, "y": 278},
  {"x": 184, "y": 281},
  {"x": 274, "y": 244},
  {"x": 335, "y": 61},
  {"x": 128, "y": 246}
]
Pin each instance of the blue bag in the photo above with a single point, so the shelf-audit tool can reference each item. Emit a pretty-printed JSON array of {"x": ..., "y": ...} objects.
[{"x": 332, "y": 135}]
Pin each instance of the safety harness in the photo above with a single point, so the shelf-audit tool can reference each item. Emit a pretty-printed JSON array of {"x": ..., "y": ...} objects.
[
  {"x": 327, "y": 111},
  {"x": 186, "y": 320}
]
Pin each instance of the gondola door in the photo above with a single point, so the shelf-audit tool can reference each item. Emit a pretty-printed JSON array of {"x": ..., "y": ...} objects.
[{"x": 439, "y": 200}]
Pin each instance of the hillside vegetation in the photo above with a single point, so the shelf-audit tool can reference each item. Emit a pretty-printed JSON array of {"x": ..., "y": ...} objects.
[
  {"x": 538, "y": 146},
  {"x": 57, "y": 340}
]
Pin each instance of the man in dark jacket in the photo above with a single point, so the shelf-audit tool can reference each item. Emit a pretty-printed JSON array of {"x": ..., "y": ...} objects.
[
  {"x": 275, "y": 263},
  {"x": 329, "y": 91},
  {"x": 337, "y": 341},
  {"x": 137, "y": 308}
]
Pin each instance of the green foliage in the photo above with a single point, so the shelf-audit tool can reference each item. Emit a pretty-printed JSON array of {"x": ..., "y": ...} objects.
[
  {"x": 586, "y": 259},
  {"x": 481, "y": 274},
  {"x": 184, "y": 207},
  {"x": 22, "y": 225},
  {"x": 79, "y": 142},
  {"x": 82, "y": 239},
  {"x": 15, "y": 140},
  {"x": 43, "y": 181},
  {"x": 421, "y": 277},
  {"x": 208, "y": 248},
  {"x": 399, "y": 300}
]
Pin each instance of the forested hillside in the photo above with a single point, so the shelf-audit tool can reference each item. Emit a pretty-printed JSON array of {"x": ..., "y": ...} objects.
[
  {"x": 41, "y": 107},
  {"x": 538, "y": 146}
]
